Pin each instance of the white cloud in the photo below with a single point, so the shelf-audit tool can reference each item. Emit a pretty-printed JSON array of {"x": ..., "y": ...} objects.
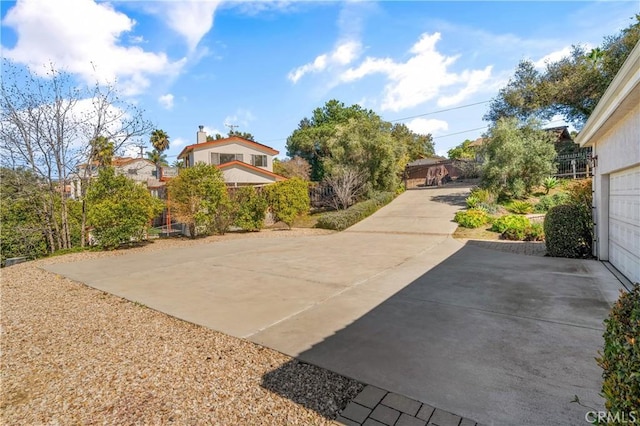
[
  {"x": 343, "y": 54},
  {"x": 421, "y": 78},
  {"x": 241, "y": 118},
  {"x": 192, "y": 19},
  {"x": 552, "y": 57},
  {"x": 83, "y": 37},
  {"x": 425, "y": 126},
  {"x": 178, "y": 142},
  {"x": 166, "y": 101}
]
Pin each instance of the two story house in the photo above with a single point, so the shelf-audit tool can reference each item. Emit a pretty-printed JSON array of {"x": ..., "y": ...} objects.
[
  {"x": 242, "y": 162},
  {"x": 140, "y": 170}
]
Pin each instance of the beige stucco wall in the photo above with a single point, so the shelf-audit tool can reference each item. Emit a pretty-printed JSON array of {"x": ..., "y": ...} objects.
[
  {"x": 238, "y": 175},
  {"x": 204, "y": 154},
  {"x": 617, "y": 149},
  {"x": 143, "y": 170}
]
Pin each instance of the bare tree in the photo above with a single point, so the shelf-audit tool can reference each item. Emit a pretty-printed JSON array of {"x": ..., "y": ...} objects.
[
  {"x": 47, "y": 124},
  {"x": 347, "y": 183}
]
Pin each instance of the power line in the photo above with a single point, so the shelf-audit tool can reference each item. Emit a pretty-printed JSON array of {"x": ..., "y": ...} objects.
[
  {"x": 439, "y": 111},
  {"x": 461, "y": 132}
]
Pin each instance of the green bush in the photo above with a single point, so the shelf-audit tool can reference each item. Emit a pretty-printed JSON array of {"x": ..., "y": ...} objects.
[
  {"x": 118, "y": 209},
  {"x": 520, "y": 207},
  {"x": 482, "y": 195},
  {"x": 473, "y": 218},
  {"x": 510, "y": 221},
  {"x": 535, "y": 232},
  {"x": 288, "y": 199},
  {"x": 566, "y": 233},
  {"x": 488, "y": 208},
  {"x": 342, "y": 219},
  {"x": 549, "y": 183},
  {"x": 251, "y": 208},
  {"x": 472, "y": 201},
  {"x": 621, "y": 358},
  {"x": 548, "y": 201}
]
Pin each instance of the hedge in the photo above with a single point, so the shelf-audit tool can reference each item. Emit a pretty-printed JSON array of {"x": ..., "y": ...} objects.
[
  {"x": 621, "y": 358},
  {"x": 566, "y": 233},
  {"x": 340, "y": 220}
]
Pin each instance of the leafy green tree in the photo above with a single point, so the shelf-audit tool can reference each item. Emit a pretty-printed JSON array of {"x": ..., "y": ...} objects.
[
  {"x": 194, "y": 196},
  {"x": 22, "y": 224},
  {"x": 337, "y": 135},
  {"x": 119, "y": 209},
  {"x": 517, "y": 158},
  {"x": 571, "y": 86},
  {"x": 244, "y": 135},
  {"x": 417, "y": 145},
  {"x": 288, "y": 199},
  {"x": 159, "y": 140},
  {"x": 462, "y": 151},
  {"x": 252, "y": 208},
  {"x": 292, "y": 167}
]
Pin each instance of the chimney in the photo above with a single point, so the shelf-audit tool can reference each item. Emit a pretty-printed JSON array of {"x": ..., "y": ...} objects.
[{"x": 201, "y": 135}]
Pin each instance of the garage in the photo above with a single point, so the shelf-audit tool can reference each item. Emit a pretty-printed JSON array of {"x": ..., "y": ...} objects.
[
  {"x": 624, "y": 220},
  {"x": 613, "y": 133}
]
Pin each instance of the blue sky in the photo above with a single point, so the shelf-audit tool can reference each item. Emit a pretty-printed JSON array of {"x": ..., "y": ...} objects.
[{"x": 263, "y": 66}]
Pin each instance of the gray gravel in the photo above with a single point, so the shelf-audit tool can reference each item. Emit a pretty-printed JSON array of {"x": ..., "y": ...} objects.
[{"x": 71, "y": 354}]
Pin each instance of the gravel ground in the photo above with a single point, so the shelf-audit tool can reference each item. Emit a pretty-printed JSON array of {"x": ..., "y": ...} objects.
[{"x": 71, "y": 354}]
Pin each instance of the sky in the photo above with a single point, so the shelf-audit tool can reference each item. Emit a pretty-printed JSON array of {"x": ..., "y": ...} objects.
[{"x": 264, "y": 66}]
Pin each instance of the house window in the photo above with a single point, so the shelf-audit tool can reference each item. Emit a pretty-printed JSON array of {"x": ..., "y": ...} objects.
[
  {"x": 220, "y": 158},
  {"x": 132, "y": 171},
  {"x": 259, "y": 160}
]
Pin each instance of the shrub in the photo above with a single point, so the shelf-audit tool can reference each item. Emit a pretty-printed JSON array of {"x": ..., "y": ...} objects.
[
  {"x": 343, "y": 219},
  {"x": 621, "y": 358},
  {"x": 483, "y": 195},
  {"x": 119, "y": 210},
  {"x": 549, "y": 183},
  {"x": 511, "y": 221},
  {"x": 520, "y": 207},
  {"x": 251, "y": 208},
  {"x": 566, "y": 233},
  {"x": 472, "y": 218},
  {"x": 488, "y": 208},
  {"x": 472, "y": 201},
  {"x": 535, "y": 232},
  {"x": 288, "y": 199},
  {"x": 548, "y": 201}
]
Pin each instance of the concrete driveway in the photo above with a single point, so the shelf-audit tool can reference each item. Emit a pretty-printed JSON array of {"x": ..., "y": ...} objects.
[{"x": 395, "y": 302}]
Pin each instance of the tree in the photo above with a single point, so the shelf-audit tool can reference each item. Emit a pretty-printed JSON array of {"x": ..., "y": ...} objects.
[
  {"x": 244, "y": 135},
  {"x": 48, "y": 124},
  {"x": 22, "y": 216},
  {"x": 157, "y": 157},
  {"x": 194, "y": 196},
  {"x": 159, "y": 140},
  {"x": 462, "y": 151},
  {"x": 338, "y": 135},
  {"x": 252, "y": 208},
  {"x": 571, "y": 86},
  {"x": 119, "y": 209},
  {"x": 288, "y": 199},
  {"x": 101, "y": 151},
  {"x": 292, "y": 167},
  {"x": 347, "y": 184},
  {"x": 517, "y": 158}
]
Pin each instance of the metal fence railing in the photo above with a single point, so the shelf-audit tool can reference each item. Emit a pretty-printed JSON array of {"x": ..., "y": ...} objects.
[{"x": 574, "y": 166}]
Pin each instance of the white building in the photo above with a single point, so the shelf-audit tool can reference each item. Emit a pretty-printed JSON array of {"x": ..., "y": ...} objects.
[
  {"x": 242, "y": 162},
  {"x": 613, "y": 131}
]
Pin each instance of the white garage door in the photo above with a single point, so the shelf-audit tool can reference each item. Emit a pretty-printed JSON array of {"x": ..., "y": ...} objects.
[{"x": 624, "y": 222}]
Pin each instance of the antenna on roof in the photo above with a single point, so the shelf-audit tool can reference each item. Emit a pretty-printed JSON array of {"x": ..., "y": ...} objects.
[{"x": 231, "y": 127}]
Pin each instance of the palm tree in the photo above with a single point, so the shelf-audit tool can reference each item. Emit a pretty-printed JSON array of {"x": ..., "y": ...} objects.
[
  {"x": 159, "y": 159},
  {"x": 159, "y": 140}
]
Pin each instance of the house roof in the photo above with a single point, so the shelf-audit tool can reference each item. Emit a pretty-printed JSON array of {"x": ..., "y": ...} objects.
[
  {"x": 233, "y": 139},
  {"x": 120, "y": 161},
  {"x": 426, "y": 161},
  {"x": 249, "y": 167},
  {"x": 477, "y": 143},
  {"x": 561, "y": 132},
  {"x": 621, "y": 97}
]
